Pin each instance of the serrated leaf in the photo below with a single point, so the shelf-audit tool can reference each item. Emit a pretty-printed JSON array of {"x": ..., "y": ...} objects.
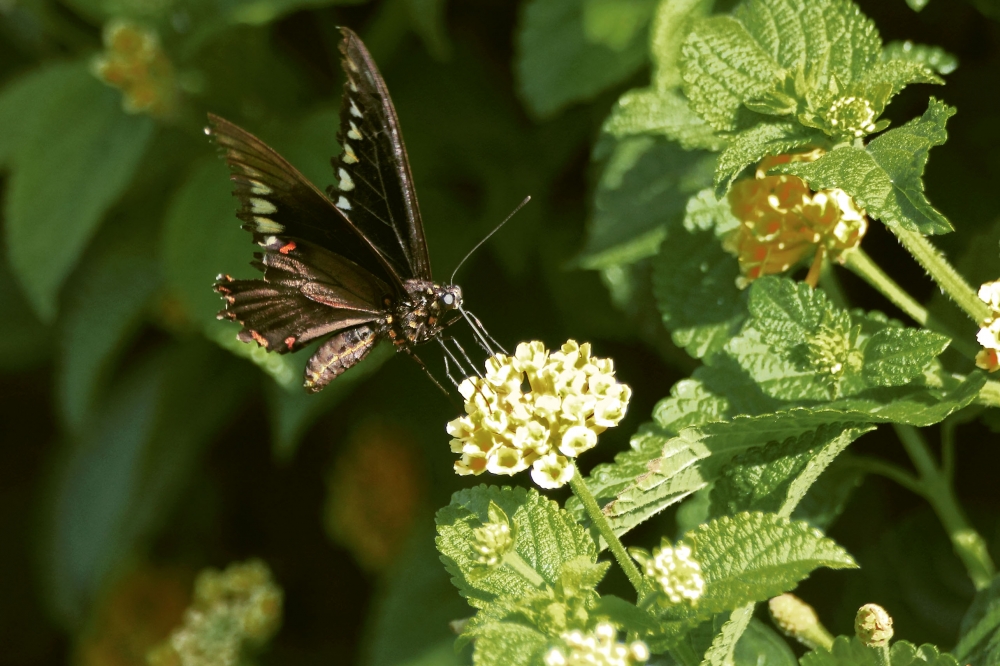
[
  {"x": 897, "y": 74},
  {"x": 664, "y": 113},
  {"x": 643, "y": 188},
  {"x": 827, "y": 498},
  {"x": 55, "y": 199},
  {"x": 545, "y": 537},
  {"x": 851, "y": 652},
  {"x": 933, "y": 57},
  {"x": 885, "y": 176},
  {"x": 754, "y": 144},
  {"x": 979, "y": 642},
  {"x": 777, "y": 476},
  {"x": 831, "y": 38},
  {"x": 754, "y": 556},
  {"x": 694, "y": 281},
  {"x": 895, "y": 356},
  {"x": 570, "y": 50},
  {"x": 722, "y": 67},
  {"x": 670, "y": 25}
]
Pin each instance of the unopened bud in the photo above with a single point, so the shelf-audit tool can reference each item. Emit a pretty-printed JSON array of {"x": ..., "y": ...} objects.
[
  {"x": 873, "y": 626},
  {"x": 798, "y": 620}
]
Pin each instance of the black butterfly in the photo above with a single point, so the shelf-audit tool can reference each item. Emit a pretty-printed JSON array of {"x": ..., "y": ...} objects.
[{"x": 353, "y": 263}]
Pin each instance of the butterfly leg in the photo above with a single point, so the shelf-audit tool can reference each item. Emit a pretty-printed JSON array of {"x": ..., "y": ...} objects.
[{"x": 423, "y": 365}]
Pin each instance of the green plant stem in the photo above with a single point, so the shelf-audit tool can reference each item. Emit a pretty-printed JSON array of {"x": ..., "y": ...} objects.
[
  {"x": 831, "y": 285},
  {"x": 948, "y": 449},
  {"x": 600, "y": 521},
  {"x": 886, "y": 469},
  {"x": 936, "y": 488},
  {"x": 859, "y": 263},
  {"x": 944, "y": 274}
]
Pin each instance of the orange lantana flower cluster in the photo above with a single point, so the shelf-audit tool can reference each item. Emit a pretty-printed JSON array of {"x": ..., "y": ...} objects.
[{"x": 783, "y": 222}]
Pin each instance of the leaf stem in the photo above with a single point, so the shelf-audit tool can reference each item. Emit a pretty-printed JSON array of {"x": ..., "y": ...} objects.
[
  {"x": 944, "y": 274},
  {"x": 600, "y": 521},
  {"x": 886, "y": 469},
  {"x": 969, "y": 545},
  {"x": 859, "y": 263},
  {"x": 517, "y": 563}
]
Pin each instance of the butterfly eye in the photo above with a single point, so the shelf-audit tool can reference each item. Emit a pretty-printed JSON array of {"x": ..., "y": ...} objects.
[{"x": 448, "y": 299}]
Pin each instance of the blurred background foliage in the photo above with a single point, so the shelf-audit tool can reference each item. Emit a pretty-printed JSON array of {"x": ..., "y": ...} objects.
[{"x": 142, "y": 443}]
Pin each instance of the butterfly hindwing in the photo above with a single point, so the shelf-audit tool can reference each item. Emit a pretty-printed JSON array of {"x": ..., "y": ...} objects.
[{"x": 374, "y": 187}]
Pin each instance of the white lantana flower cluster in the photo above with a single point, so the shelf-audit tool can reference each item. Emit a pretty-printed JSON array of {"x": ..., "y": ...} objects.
[
  {"x": 536, "y": 409},
  {"x": 989, "y": 333},
  {"x": 599, "y": 648},
  {"x": 676, "y": 573}
]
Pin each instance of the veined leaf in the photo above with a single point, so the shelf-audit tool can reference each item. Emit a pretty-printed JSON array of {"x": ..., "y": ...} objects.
[
  {"x": 754, "y": 144},
  {"x": 664, "y": 113},
  {"x": 544, "y": 536},
  {"x": 933, "y": 57},
  {"x": 851, "y": 652},
  {"x": 895, "y": 356},
  {"x": 672, "y": 21},
  {"x": 722, "y": 651},
  {"x": 885, "y": 176},
  {"x": 754, "y": 556}
]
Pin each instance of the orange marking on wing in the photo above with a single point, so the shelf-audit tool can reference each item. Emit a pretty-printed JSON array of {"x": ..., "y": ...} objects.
[
  {"x": 287, "y": 247},
  {"x": 289, "y": 341},
  {"x": 261, "y": 340}
]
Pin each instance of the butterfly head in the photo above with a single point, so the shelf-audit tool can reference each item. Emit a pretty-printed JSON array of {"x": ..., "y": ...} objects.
[{"x": 449, "y": 297}]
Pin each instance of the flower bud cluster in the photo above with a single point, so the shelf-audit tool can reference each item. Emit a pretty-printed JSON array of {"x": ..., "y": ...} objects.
[
  {"x": 599, "y": 648},
  {"x": 492, "y": 540},
  {"x": 675, "y": 572},
  {"x": 783, "y": 222},
  {"x": 134, "y": 61},
  {"x": 851, "y": 116},
  {"x": 989, "y": 333},
  {"x": 232, "y": 609},
  {"x": 537, "y": 409}
]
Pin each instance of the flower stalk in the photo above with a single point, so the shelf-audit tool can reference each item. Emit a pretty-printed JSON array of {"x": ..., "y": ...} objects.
[{"x": 603, "y": 526}]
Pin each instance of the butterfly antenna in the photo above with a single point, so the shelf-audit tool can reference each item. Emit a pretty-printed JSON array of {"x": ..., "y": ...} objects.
[{"x": 487, "y": 237}]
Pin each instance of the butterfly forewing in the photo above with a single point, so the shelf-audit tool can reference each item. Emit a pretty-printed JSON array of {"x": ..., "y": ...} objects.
[{"x": 374, "y": 187}]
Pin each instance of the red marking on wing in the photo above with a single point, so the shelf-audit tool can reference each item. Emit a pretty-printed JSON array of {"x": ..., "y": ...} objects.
[
  {"x": 287, "y": 247},
  {"x": 290, "y": 340}
]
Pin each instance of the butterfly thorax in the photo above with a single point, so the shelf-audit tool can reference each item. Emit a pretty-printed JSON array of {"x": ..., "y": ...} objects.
[{"x": 419, "y": 317}]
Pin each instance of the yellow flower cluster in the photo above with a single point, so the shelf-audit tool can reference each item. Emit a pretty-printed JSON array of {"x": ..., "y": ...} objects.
[
  {"x": 536, "y": 409},
  {"x": 676, "y": 573},
  {"x": 852, "y": 116},
  {"x": 989, "y": 333},
  {"x": 599, "y": 648},
  {"x": 134, "y": 61},
  {"x": 783, "y": 222}
]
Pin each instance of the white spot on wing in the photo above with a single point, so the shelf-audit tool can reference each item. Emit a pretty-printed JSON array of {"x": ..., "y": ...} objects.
[
  {"x": 349, "y": 156},
  {"x": 354, "y": 110},
  {"x": 353, "y": 86},
  {"x": 354, "y": 132},
  {"x": 345, "y": 184},
  {"x": 266, "y": 225},
  {"x": 343, "y": 203},
  {"x": 262, "y": 206},
  {"x": 257, "y": 187}
]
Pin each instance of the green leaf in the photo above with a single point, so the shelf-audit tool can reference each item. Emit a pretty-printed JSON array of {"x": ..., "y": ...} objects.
[
  {"x": 670, "y": 26},
  {"x": 118, "y": 481},
  {"x": 545, "y": 537},
  {"x": 24, "y": 339},
  {"x": 979, "y": 642},
  {"x": 395, "y": 633},
  {"x": 103, "y": 309},
  {"x": 776, "y": 477},
  {"x": 755, "y": 556},
  {"x": 429, "y": 21},
  {"x": 897, "y": 74},
  {"x": 643, "y": 188},
  {"x": 694, "y": 281},
  {"x": 723, "y": 66},
  {"x": 885, "y": 176},
  {"x": 722, "y": 651},
  {"x": 917, "y": 5},
  {"x": 895, "y": 356},
  {"x": 570, "y": 50},
  {"x": 754, "y": 144},
  {"x": 55, "y": 199},
  {"x": 661, "y": 113},
  {"x": 510, "y": 644},
  {"x": 829, "y": 495},
  {"x": 760, "y": 644},
  {"x": 933, "y": 57},
  {"x": 850, "y": 652}
]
